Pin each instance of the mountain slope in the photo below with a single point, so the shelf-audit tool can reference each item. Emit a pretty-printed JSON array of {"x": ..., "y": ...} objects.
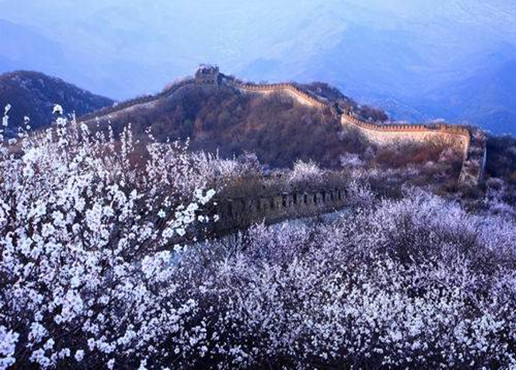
[
  {"x": 34, "y": 94},
  {"x": 487, "y": 99},
  {"x": 278, "y": 128},
  {"x": 223, "y": 119}
]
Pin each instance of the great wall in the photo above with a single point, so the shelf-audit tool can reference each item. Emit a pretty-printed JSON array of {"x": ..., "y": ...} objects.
[
  {"x": 471, "y": 141},
  {"x": 239, "y": 213}
]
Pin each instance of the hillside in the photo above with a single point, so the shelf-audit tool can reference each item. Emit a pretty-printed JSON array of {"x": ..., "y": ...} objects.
[
  {"x": 282, "y": 124},
  {"x": 34, "y": 94},
  {"x": 334, "y": 188},
  {"x": 102, "y": 261},
  {"x": 278, "y": 129},
  {"x": 274, "y": 127}
]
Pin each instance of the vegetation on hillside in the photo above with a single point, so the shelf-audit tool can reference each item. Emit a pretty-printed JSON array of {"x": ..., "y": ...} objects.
[
  {"x": 274, "y": 127},
  {"x": 33, "y": 95},
  {"x": 278, "y": 130},
  {"x": 501, "y": 164}
]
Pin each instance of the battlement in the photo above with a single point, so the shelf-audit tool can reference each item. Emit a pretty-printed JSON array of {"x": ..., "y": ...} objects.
[
  {"x": 388, "y": 133},
  {"x": 240, "y": 213},
  {"x": 207, "y": 74},
  {"x": 300, "y": 95},
  {"x": 472, "y": 144}
]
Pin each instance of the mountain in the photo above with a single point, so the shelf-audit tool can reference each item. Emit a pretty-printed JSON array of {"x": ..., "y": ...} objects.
[
  {"x": 487, "y": 99},
  {"x": 223, "y": 119},
  {"x": 24, "y": 47},
  {"x": 34, "y": 95},
  {"x": 416, "y": 56}
]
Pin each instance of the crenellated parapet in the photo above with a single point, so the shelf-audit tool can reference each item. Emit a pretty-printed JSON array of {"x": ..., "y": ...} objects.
[
  {"x": 240, "y": 213},
  {"x": 302, "y": 96},
  {"x": 471, "y": 142},
  {"x": 389, "y": 134}
]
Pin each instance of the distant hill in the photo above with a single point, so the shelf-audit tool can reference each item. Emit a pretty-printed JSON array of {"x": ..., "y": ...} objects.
[
  {"x": 34, "y": 95},
  {"x": 487, "y": 100},
  {"x": 25, "y": 48}
]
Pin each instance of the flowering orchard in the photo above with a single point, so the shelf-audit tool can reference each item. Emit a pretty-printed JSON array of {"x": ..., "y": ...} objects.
[
  {"x": 85, "y": 236},
  {"x": 92, "y": 276},
  {"x": 416, "y": 282}
]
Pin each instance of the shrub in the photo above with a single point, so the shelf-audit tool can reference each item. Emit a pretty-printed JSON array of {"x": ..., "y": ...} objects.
[
  {"x": 411, "y": 283},
  {"x": 85, "y": 236},
  {"x": 91, "y": 275}
]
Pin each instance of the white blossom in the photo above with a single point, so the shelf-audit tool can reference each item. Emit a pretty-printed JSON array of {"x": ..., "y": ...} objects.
[{"x": 57, "y": 109}]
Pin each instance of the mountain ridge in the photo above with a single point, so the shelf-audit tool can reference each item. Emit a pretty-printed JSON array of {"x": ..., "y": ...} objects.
[
  {"x": 33, "y": 94},
  {"x": 339, "y": 110}
]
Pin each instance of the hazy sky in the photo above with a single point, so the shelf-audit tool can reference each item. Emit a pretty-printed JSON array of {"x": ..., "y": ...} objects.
[{"x": 177, "y": 35}]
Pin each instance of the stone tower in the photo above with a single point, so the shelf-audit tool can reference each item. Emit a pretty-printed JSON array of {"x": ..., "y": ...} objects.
[{"x": 207, "y": 75}]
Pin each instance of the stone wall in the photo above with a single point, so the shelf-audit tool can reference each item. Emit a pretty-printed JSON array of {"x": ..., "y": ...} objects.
[
  {"x": 240, "y": 213},
  {"x": 300, "y": 95},
  {"x": 458, "y": 136},
  {"x": 470, "y": 143}
]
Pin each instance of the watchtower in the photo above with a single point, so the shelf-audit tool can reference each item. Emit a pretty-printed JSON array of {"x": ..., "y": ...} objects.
[{"x": 207, "y": 75}]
